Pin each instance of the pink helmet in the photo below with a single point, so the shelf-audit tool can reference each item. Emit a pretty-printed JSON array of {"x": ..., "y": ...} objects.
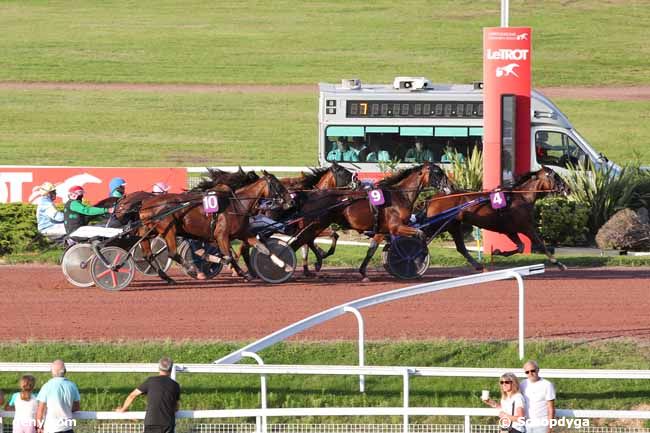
[
  {"x": 75, "y": 192},
  {"x": 160, "y": 188}
]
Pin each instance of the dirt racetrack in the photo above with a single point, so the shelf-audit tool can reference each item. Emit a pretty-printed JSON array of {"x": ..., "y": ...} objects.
[{"x": 600, "y": 303}]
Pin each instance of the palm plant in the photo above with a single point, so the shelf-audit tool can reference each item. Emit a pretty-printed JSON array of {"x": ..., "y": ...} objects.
[
  {"x": 607, "y": 190},
  {"x": 465, "y": 173}
]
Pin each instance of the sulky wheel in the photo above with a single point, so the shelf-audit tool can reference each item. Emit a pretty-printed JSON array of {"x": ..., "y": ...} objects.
[
  {"x": 190, "y": 265},
  {"x": 76, "y": 265},
  {"x": 273, "y": 260},
  {"x": 406, "y": 258},
  {"x": 119, "y": 272},
  {"x": 160, "y": 254}
]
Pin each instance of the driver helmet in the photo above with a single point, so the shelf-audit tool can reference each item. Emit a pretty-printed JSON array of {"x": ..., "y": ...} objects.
[
  {"x": 160, "y": 188},
  {"x": 75, "y": 192},
  {"x": 45, "y": 188},
  {"x": 115, "y": 183}
]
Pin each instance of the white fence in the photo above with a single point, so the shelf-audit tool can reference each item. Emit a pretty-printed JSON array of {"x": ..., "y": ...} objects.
[{"x": 261, "y": 415}]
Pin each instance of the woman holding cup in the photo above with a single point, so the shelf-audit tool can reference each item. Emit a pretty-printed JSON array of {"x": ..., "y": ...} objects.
[{"x": 512, "y": 404}]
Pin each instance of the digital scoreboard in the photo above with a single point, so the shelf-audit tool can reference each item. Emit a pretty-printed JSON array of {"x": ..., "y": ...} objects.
[{"x": 415, "y": 109}]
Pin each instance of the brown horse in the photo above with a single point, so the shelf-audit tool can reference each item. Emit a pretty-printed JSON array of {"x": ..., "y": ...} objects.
[
  {"x": 170, "y": 215},
  {"x": 353, "y": 210},
  {"x": 517, "y": 217},
  {"x": 334, "y": 176}
]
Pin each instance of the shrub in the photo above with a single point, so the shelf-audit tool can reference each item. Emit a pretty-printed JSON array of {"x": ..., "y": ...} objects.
[
  {"x": 561, "y": 221},
  {"x": 606, "y": 191},
  {"x": 465, "y": 173},
  {"x": 18, "y": 230}
]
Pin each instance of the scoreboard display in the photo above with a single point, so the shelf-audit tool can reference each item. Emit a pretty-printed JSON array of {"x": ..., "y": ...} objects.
[{"x": 415, "y": 109}]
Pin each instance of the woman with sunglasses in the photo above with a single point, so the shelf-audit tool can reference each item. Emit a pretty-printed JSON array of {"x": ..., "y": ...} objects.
[{"x": 512, "y": 405}]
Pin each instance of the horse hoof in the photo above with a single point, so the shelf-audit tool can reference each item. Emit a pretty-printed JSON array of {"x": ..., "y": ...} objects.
[
  {"x": 318, "y": 266},
  {"x": 365, "y": 280},
  {"x": 308, "y": 274},
  {"x": 201, "y": 276},
  {"x": 496, "y": 252},
  {"x": 561, "y": 266},
  {"x": 170, "y": 281},
  {"x": 247, "y": 277}
]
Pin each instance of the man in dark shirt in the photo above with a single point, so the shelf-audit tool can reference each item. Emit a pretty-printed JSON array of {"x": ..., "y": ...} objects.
[{"x": 163, "y": 396}]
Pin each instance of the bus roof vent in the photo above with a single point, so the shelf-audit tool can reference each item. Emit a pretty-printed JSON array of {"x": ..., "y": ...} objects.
[
  {"x": 351, "y": 83},
  {"x": 412, "y": 83}
]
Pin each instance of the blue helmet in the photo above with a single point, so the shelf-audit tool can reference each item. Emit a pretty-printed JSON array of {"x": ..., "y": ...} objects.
[{"x": 115, "y": 183}]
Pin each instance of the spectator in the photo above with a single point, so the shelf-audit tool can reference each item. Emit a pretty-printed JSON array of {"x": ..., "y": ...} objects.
[
  {"x": 117, "y": 187},
  {"x": 418, "y": 153},
  {"x": 342, "y": 152},
  {"x": 48, "y": 218},
  {"x": 24, "y": 404},
  {"x": 376, "y": 154},
  {"x": 512, "y": 405},
  {"x": 160, "y": 188},
  {"x": 163, "y": 396},
  {"x": 76, "y": 213},
  {"x": 57, "y": 400},
  {"x": 540, "y": 399}
]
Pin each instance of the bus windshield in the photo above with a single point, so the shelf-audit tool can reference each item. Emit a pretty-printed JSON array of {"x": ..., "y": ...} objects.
[{"x": 408, "y": 144}]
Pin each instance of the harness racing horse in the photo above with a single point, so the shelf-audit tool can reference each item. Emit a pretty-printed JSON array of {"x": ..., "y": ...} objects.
[
  {"x": 334, "y": 176},
  {"x": 517, "y": 217},
  {"x": 170, "y": 215},
  {"x": 353, "y": 210}
]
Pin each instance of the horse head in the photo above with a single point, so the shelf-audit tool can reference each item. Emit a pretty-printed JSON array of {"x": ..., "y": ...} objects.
[
  {"x": 549, "y": 180},
  {"x": 276, "y": 192},
  {"x": 342, "y": 176},
  {"x": 438, "y": 178}
]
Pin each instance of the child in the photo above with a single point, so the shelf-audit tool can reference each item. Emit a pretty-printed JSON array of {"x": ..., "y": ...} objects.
[{"x": 25, "y": 404}]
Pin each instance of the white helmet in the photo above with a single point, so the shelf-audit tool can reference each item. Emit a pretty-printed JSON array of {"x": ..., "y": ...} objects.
[{"x": 160, "y": 188}]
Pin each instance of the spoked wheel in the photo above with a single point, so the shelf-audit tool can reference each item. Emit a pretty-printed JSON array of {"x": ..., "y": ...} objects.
[
  {"x": 76, "y": 265},
  {"x": 119, "y": 272},
  {"x": 190, "y": 265},
  {"x": 274, "y": 264},
  {"x": 406, "y": 258},
  {"x": 160, "y": 254}
]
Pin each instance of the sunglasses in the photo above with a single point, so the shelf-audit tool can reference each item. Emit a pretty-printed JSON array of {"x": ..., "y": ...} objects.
[
  {"x": 530, "y": 371},
  {"x": 505, "y": 382}
]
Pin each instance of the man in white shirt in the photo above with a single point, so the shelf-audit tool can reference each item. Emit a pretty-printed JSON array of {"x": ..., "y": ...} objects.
[{"x": 540, "y": 399}]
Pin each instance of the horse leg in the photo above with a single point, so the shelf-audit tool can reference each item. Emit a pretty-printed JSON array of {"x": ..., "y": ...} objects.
[
  {"x": 514, "y": 237},
  {"x": 334, "y": 238},
  {"x": 244, "y": 252},
  {"x": 536, "y": 239},
  {"x": 374, "y": 244},
  {"x": 223, "y": 241},
  {"x": 456, "y": 231},
  {"x": 304, "y": 252},
  {"x": 148, "y": 256}
]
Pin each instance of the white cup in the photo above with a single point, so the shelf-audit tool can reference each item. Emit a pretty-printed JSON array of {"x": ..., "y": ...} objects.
[{"x": 485, "y": 395}]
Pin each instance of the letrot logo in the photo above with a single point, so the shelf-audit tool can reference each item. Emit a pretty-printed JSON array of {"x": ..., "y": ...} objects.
[
  {"x": 522, "y": 37},
  {"x": 507, "y": 70},
  {"x": 79, "y": 179},
  {"x": 507, "y": 54}
]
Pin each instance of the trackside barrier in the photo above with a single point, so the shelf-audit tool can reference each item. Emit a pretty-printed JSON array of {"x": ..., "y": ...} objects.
[
  {"x": 393, "y": 295},
  {"x": 466, "y": 413}
]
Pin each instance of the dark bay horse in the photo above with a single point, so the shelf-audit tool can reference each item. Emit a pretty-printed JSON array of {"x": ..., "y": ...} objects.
[
  {"x": 517, "y": 217},
  {"x": 190, "y": 219},
  {"x": 334, "y": 176},
  {"x": 353, "y": 210}
]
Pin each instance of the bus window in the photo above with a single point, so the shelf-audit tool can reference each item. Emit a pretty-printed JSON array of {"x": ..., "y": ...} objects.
[
  {"x": 391, "y": 143},
  {"x": 558, "y": 149}
]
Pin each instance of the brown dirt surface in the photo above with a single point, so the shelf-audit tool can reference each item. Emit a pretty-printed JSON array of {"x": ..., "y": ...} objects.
[
  {"x": 621, "y": 93},
  {"x": 586, "y": 304}
]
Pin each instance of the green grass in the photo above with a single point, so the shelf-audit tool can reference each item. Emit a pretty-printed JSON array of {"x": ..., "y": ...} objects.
[
  {"x": 107, "y": 128},
  {"x": 106, "y": 391},
  {"x": 576, "y": 43}
]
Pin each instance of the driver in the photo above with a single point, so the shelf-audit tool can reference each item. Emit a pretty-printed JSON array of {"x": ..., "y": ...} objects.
[
  {"x": 75, "y": 213},
  {"x": 117, "y": 187}
]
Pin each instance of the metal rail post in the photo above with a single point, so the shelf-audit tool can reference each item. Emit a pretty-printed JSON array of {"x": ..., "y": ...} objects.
[
  {"x": 520, "y": 284},
  {"x": 357, "y": 314},
  {"x": 260, "y": 426}
]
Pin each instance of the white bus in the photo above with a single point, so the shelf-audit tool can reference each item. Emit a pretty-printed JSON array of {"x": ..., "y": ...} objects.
[{"x": 413, "y": 120}]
